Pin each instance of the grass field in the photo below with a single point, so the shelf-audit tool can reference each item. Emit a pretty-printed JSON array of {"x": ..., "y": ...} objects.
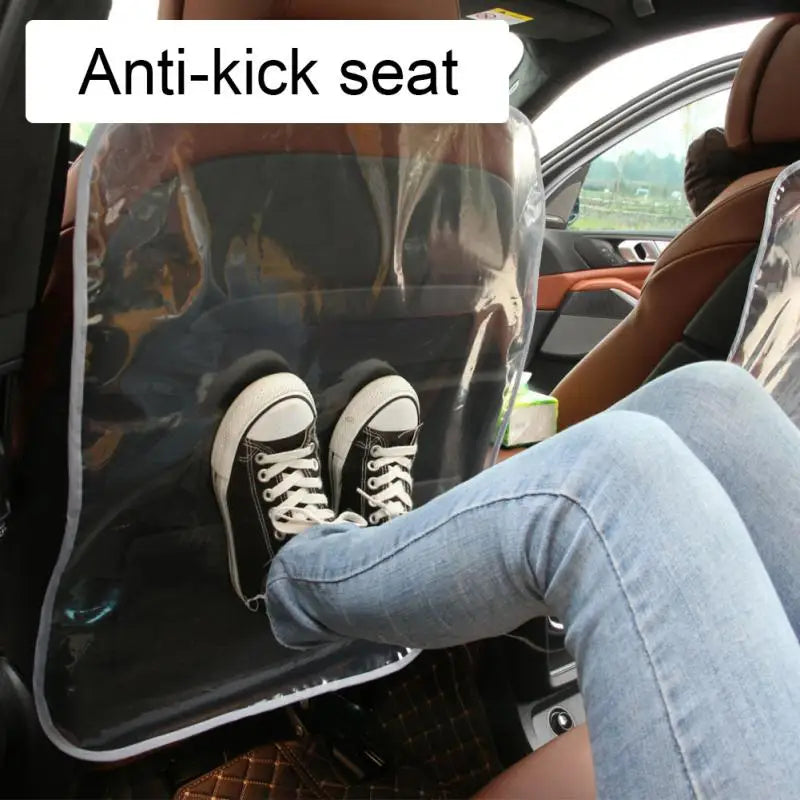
[{"x": 609, "y": 211}]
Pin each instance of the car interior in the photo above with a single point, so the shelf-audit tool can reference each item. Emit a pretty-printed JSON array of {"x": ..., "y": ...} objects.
[{"x": 459, "y": 717}]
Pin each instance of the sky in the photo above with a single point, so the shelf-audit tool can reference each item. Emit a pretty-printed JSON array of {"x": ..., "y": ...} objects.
[
  {"x": 610, "y": 85},
  {"x": 632, "y": 74}
]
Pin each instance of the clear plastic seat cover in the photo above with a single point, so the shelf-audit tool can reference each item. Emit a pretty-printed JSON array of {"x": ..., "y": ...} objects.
[
  {"x": 205, "y": 257},
  {"x": 768, "y": 341}
]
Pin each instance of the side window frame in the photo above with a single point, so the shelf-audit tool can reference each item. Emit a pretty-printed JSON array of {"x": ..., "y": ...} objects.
[
  {"x": 647, "y": 186},
  {"x": 560, "y": 166}
]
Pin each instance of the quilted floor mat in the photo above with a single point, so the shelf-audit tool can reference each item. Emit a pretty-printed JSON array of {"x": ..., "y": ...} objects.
[{"x": 433, "y": 718}]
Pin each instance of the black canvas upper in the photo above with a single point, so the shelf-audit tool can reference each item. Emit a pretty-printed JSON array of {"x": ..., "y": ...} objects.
[
  {"x": 254, "y": 536},
  {"x": 355, "y": 473}
]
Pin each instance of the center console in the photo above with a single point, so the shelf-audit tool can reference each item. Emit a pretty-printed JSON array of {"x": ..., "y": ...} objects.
[{"x": 532, "y": 689}]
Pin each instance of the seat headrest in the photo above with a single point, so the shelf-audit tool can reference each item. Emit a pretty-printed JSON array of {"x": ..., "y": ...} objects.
[
  {"x": 764, "y": 106},
  {"x": 309, "y": 9},
  {"x": 711, "y": 166}
]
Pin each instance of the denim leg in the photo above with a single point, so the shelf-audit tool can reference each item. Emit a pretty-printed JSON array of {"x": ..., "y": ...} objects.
[
  {"x": 689, "y": 666},
  {"x": 752, "y": 448}
]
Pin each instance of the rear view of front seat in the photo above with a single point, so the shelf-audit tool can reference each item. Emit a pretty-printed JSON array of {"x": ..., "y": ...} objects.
[
  {"x": 208, "y": 252},
  {"x": 763, "y": 123}
]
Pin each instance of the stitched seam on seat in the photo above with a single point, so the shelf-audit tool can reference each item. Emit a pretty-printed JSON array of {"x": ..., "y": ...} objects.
[
  {"x": 762, "y": 182},
  {"x": 705, "y": 251},
  {"x": 723, "y": 204},
  {"x": 762, "y": 71}
]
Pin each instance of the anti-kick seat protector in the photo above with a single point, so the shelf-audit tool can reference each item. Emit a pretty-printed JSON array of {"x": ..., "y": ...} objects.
[
  {"x": 768, "y": 341},
  {"x": 205, "y": 257}
]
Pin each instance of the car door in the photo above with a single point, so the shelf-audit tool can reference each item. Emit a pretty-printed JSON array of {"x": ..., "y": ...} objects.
[
  {"x": 33, "y": 168},
  {"x": 614, "y": 201}
]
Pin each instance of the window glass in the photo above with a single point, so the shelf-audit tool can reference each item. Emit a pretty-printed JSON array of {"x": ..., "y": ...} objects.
[
  {"x": 637, "y": 185},
  {"x": 620, "y": 80},
  {"x": 80, "y": 132}
]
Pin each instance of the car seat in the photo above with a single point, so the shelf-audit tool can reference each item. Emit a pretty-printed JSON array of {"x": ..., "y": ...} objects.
[
  {"x": 763, "y": 123},
  {"x": 206, "y": 255},
  {"x": 767, "y": 343}
]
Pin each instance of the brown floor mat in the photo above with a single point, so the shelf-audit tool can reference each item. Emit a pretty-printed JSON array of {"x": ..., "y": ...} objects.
[{"x": 432, "y": 715}]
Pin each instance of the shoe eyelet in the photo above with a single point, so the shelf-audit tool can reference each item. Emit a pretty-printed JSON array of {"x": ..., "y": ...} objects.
[
  {"x": 316, "y": 466},
  {"x": 373, "y": 451},
  {"x": 267, "y": 495},
  {"x": 280, "y": 537},
  {"x": 373, "y": 519},
  {"x": 371, "y": 467},
  {"x": 261, "y": 459},
  {"x": 262, "y": 476},
  {"x": 372, "y": 483}
]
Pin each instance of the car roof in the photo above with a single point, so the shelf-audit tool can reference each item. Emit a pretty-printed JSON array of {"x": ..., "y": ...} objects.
[{"x": 565, "y": 40}]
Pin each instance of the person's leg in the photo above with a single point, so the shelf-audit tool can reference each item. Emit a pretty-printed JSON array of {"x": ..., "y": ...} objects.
[
  {"x": 737, "y": 430},
  {"x": 561, "y": 770},
  {"x": 688, "y": 664}
]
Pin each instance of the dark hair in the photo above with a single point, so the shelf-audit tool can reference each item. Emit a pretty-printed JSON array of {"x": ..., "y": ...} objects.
[{"x": 711, "y": 166}]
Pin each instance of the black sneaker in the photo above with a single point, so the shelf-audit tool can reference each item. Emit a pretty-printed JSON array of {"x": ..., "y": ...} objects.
[
  {"x": 373, "y": 449},
  {"x": 266, "y": 472}
]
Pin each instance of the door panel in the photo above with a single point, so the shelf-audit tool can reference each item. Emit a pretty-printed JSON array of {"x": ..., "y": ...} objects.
[
  {"x": 587, "y": 287},
  {"x": 585, "y": 317},
  {"x": 554, "y": 288}
]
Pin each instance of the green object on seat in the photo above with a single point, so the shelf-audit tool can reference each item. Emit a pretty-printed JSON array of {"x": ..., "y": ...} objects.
[{"x": 534, "y": 417}]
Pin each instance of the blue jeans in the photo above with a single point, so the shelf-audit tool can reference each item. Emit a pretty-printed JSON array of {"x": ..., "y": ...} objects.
[{"x": 664, "y": 533}]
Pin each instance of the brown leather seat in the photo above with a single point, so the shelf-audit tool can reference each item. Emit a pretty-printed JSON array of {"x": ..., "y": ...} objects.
[{"x": 763, "y": 116}]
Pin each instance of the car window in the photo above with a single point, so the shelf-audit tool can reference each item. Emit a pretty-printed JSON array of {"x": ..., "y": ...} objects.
[
  {"x": 618, "y": 81},
  {"x": 637, "y": 185}
]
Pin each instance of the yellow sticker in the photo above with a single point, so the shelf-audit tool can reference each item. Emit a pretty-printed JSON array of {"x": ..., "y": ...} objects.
[{"x": 511, "y": 17}]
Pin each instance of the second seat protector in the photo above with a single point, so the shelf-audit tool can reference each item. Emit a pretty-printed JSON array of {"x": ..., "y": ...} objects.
[
  {"x": 206, "y": 257},
  {"x": 768, "y": 342}
]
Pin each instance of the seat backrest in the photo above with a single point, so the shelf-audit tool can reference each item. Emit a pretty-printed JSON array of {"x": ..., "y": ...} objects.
[
  {"x": 206, "y": 256},
  {"x": 210, "y": 257},
  {"x": 767, "y": 343},
  {"x": 763, "y": 119}
]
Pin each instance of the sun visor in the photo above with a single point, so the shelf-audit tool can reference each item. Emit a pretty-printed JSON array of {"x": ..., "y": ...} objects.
[
  {"x": 309, "y": 9},
  {"x": 205, "y": 258},
  {"x": 535, "y": 19},
  {"x": 768, "y": 342}
]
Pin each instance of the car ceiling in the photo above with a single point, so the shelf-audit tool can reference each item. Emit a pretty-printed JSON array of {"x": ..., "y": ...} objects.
[{"x": 568, "y": 38}]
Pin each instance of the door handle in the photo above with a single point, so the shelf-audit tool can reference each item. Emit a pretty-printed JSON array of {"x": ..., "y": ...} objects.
[
  {"x": 616, "y": 285},
  {"x": 640, "y": 250}
]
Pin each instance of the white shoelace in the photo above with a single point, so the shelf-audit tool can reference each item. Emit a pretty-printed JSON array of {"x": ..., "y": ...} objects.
[
  {"x": 305, "y": 503},
  {"x": 389, "y": 492}
]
